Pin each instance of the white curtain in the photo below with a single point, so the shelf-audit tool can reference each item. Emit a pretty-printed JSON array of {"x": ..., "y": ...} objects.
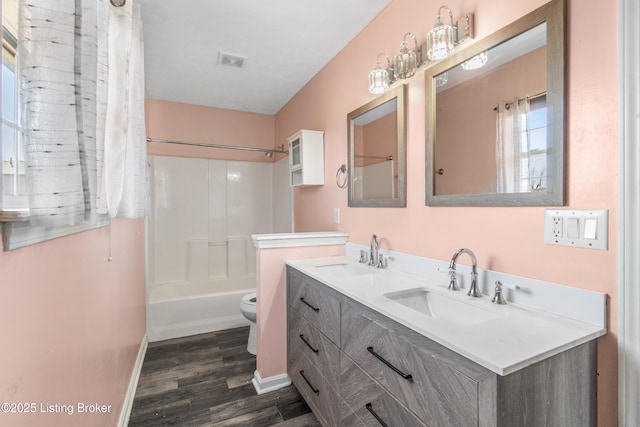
[
  {"x": 66, "y": 67},
  {"x": 125, "y": 157},
  {"x": 512, "y": 146}
]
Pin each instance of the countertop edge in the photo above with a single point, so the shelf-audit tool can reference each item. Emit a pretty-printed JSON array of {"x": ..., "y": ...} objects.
[
  {"x": 289, "y": 240},
  {"x": 504, "y": 369}
]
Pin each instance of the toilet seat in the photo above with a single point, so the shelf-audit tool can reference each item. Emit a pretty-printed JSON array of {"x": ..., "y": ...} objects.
[
  {"x": 248, "y": 306},
  {"x": 250, "y": 298},
  {"x": 248, "y": 309}
]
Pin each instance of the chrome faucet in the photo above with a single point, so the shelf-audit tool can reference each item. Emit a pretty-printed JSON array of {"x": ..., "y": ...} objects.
[
  {"x": 453, "y": 284},
  {"x": 373, "y": 253}
]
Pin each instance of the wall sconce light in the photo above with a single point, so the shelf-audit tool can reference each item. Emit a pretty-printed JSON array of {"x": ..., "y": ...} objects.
[
  {"x": 405, "y": 62},
  {"x": 476, "y": 62},
  {"x": 379, "y": 78},
  {"x": 442, "y": 38}
]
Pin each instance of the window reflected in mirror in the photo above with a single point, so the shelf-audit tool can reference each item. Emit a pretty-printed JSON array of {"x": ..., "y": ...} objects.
[{"x": 495, "y": 117}]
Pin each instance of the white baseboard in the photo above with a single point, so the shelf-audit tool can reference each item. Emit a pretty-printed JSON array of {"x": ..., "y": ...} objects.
[
  {"x": 265, "y": 385},
  {"x": 133, "y": 384}
]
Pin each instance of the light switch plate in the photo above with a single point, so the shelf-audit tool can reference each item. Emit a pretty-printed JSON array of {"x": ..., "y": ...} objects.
[{"x": 580, "y": 228}]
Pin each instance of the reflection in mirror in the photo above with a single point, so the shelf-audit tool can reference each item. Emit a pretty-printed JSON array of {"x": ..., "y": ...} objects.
[
  {"x": 496, "y": 129},
  {"x": 374, "y": 163},
  {"x": 509, "y": 145},
  {"x": 376, "y": 152}
]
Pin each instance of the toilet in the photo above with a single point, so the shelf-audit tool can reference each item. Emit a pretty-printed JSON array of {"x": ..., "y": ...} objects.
[{"x": 248, "y": 308}]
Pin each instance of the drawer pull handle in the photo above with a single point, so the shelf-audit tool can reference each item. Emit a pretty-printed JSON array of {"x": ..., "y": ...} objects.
[
  {"x": 315, "y": 350},
  {"x": 369, "y": 407},
  {"x": 315, "y": 390},
  {"x": 407, "y": 377},
  {"x": 306, "y": 303}
]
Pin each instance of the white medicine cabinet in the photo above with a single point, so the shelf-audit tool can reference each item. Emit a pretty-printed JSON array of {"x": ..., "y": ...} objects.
[{"x": 306, "y": 158}]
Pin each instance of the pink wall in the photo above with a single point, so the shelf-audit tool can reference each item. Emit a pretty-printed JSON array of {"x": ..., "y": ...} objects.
[
  {"x": 504, "y": 239},
  {"x": 72, "y": 323},
  {"x": 195, "y": 123},
  {"x": 271, "y": 307}
]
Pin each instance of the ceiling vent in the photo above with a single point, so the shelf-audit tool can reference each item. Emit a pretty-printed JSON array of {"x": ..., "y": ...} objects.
[{"x": 231, "y": 61}]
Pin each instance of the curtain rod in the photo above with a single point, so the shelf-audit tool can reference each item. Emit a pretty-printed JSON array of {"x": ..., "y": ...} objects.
[
  {"x": 537, "y": 95},
  {"x": 227, "y": 147},
  {"x": 389, "y": 157}
]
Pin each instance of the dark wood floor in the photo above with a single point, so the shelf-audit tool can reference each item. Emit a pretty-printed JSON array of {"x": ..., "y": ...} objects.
[{"x": 205, "y": 380}]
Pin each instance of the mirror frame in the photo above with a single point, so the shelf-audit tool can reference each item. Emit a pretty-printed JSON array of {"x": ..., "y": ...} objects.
[
  {"x": 553, "y": 13},
  {"x": 399, "y": 93}
]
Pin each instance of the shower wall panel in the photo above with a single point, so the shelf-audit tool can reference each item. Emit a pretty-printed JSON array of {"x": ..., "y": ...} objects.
[
  {"x": 203, "y": 215},
  {"x": 179, "y": 217}
]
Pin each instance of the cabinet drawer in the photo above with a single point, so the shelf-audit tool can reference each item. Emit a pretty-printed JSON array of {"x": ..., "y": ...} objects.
[
  {"x": 431, "y": 388},
  {"x": 313, "y": 301},
  {"x": 323, "y": 400},
  {"x": 305, "y": 340},
  {"x": 367, "y": 400}
]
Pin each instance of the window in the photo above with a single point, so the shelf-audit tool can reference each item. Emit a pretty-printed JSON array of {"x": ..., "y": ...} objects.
[
  {"x": 14, "y": 212},
  {"x": 533, "y": 165},
  {"x": 64, "y": 189},
  {"x": 12, "y": 180}
]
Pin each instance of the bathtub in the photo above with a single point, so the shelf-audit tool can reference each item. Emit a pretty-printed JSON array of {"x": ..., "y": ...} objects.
[{"x": 171, "y": 313}]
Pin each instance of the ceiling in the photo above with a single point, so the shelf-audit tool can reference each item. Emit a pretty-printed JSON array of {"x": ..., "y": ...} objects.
[{"x": 285, "y": 43}]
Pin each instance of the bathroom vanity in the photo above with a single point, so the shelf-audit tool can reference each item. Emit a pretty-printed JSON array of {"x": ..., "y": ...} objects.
[{"x": 368, "y": 347}]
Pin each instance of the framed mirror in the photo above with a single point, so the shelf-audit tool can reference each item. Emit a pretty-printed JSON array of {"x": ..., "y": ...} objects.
[
  {"x": 496, "y": 117},
  {"x": 377, "y": 152}
]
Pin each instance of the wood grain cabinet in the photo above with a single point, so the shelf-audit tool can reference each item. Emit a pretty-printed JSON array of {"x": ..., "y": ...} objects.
[{"x": 356, "y": 367}]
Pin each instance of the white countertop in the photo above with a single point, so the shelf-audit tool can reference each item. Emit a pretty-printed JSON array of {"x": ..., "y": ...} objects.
[{"x": 512, "y": 337}]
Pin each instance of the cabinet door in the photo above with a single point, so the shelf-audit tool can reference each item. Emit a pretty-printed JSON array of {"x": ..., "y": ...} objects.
[
  {"x": 307, "y": 341},
  {"x": 295, "y": 154},
  {"x": 306, "y": 158},
  {"x": 439, "y": 394},
  {"x": 311, "y": 299},
  {"x": 370, "y": 403},
  {"x": 323, "y": 400}
]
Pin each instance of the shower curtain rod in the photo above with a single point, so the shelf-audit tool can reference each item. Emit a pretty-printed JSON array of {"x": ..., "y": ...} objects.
[
  {"x": 389, "y": 157},
  {"x": 228, "y": 147}
]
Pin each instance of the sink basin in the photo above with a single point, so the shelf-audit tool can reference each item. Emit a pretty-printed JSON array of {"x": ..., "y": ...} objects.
[
  {"x": 345, "y": 269},
  {"x": 442, "y": 308}
]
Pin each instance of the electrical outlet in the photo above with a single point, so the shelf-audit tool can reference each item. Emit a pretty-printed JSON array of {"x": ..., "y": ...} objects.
[
  {"x": 557, "y": 226},
  {"x": 336, "y": 215},
  {"x": 579, "y": 228}
]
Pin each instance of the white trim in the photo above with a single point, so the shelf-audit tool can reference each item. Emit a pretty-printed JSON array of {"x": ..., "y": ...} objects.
[
  {"x": 290, "y": 240},
  {"x": 629, "y": 213},
  {"x": 265, "y": 385},
  {"x": 159, "y": 331},
  {"x": 133, "y": 384},
  {"x": 20, "y": 234}
]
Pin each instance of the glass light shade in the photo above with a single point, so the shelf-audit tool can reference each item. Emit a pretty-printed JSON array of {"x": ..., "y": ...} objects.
[
  {"x": 476, "y": 62},
  {"x": 442, "y": 79},
  {"x": 378, "y": 80},
  {"x": 440, "y": 41},
  {"x": 405, "y": 62}
]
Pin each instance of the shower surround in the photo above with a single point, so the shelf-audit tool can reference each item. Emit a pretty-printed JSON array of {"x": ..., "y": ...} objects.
[{"x": 201, "y": 257}]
